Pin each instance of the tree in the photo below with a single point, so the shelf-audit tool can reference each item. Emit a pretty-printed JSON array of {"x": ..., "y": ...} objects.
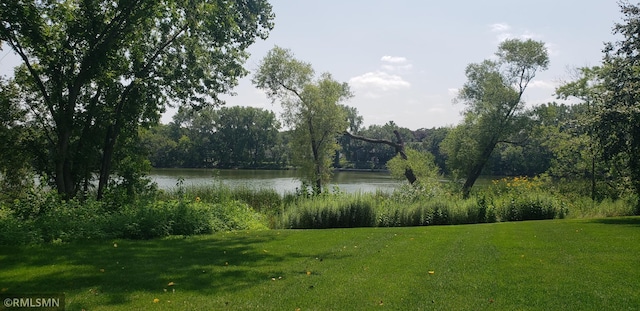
[
  {"x": 159, "y": 145},
  {"x": 244, "y": 135},
  {"x": 14, "y": 171},
  {"x": 402, "y": 165},
  {"x": 429, "y": 141},
  {"x": 348, "y": 148},
  {"x": 311, "y": 108},
  {"x": 196, "y": 143},
  {"x": 421, "y": 165},
  {"x": 375, "y": 156},
  {"x": 93, "y": 71},
  {"x": 493, "y": 96},
  {"x": 617, "y": 120},
  {"x": 587, "y": 88}
]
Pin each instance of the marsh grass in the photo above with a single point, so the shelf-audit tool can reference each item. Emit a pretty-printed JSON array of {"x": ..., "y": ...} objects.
[
  {"x": 417, "y": 209},
  {"x": 531, "y": 265},
  {"x": 204, "y": 209},
  {"x": 262, "y": 200},
  {"x": 331, "y": 211}
]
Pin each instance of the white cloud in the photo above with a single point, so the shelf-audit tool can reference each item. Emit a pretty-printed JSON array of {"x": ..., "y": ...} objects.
[
  {"x": 395, "y": 63},
  {"x": 380, "y": 80},
  {"x": 453, "y": 91},
  {"x": 502, "y": 31},
  {"x": 372, "y": 84},
  {"x": 393, "y": 59},
  {"x": 500, "y": 27}
]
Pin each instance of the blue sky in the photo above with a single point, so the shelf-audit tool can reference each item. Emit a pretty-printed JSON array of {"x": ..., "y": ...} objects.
[{"x": 405, "y": 59}]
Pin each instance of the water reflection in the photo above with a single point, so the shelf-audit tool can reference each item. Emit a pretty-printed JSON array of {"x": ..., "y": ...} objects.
[{"x": 283, "y": 181}]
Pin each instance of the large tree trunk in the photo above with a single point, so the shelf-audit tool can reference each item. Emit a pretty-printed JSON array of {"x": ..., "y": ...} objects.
[
  {"x": 476, "y": 170},
  {"x": 105, "y": 162},
  {"x": 65, "y": 182},
  {"x": 317, "y": 183},
  {"x": 399, "y": 147}
]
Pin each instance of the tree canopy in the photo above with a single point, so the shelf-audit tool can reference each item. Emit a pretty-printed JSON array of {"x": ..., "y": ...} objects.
[
  {"x": 492, "y": 95},
  {"x": 311, "y": 108},
  {"x": 92, "y": 71},
  {"x": 617, "y": 118}
]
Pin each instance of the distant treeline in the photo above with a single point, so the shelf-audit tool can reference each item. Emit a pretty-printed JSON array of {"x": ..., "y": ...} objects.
[{"x": 246, "y": 137}]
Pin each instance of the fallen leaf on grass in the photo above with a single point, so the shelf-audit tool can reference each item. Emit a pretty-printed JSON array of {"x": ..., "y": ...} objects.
[
  {"x": 170, "y": 284},
  {"x": 156, "y": 300},
  {"x": 432, "y": 272}
]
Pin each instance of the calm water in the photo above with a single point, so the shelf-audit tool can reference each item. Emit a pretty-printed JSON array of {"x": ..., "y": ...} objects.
[{"x": 279, "y": 180}]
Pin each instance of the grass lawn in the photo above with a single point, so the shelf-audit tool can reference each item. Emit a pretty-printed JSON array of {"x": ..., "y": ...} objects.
[{"x": 537, "y": 265}]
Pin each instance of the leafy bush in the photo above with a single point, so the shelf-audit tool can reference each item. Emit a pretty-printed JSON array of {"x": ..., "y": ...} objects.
[
  {"x": 16, "y": 231},
  {"x": 53, "y": 220},
  {"x": 72, "y": 220}
]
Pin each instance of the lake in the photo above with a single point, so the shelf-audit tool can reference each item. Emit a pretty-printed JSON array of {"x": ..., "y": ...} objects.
[{"x": 282, "y": 181}]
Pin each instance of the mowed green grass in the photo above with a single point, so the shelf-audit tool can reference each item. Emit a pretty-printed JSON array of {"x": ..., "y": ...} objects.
[{"x": 536, "y": 265}]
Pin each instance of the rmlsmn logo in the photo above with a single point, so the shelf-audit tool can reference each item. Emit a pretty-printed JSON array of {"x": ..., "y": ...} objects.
[{"x": 32, "y": 302}]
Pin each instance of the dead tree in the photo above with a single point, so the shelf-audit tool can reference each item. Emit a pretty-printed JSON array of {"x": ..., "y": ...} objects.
[{"x": 398, "y": 146}]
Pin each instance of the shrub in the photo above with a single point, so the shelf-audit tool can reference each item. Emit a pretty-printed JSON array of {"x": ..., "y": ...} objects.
[
  {"x": 72, "y": 220},
  {"x": 15, "y": 231},
  {"x": 42, "y": 217}
]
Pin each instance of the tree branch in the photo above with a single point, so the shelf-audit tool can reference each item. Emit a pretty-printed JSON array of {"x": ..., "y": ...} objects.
[{"x": 373, "y": 140}]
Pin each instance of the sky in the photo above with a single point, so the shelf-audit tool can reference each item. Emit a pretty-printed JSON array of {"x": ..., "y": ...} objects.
[{"x": 405, "y": 59}]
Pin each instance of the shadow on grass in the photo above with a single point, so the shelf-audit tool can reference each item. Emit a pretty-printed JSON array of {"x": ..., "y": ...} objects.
[
  {"x": 116, "y": 270},
  {"x": 630, "y": 221}
]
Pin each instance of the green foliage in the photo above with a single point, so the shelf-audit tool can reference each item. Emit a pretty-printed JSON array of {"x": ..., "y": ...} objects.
[
  {"x": 522, "y": 198},
  {"x": 492, "y": 95},
  {"x": 365, "y": 155},
  {"x": 423, "y": 166},
  {"x": 311, "y": 108},
  {"x": 328, "y": 211},
  {"x": 262, "y": 200},
  {"x": 238, "y": 137},
  {"x": 15, "y": 173},
  {"x": 16, "y": 230},
  {"x": 617, "y": 117},
  {"x": 94, "y": 71},
  {"x": 46, "y": 218}
]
